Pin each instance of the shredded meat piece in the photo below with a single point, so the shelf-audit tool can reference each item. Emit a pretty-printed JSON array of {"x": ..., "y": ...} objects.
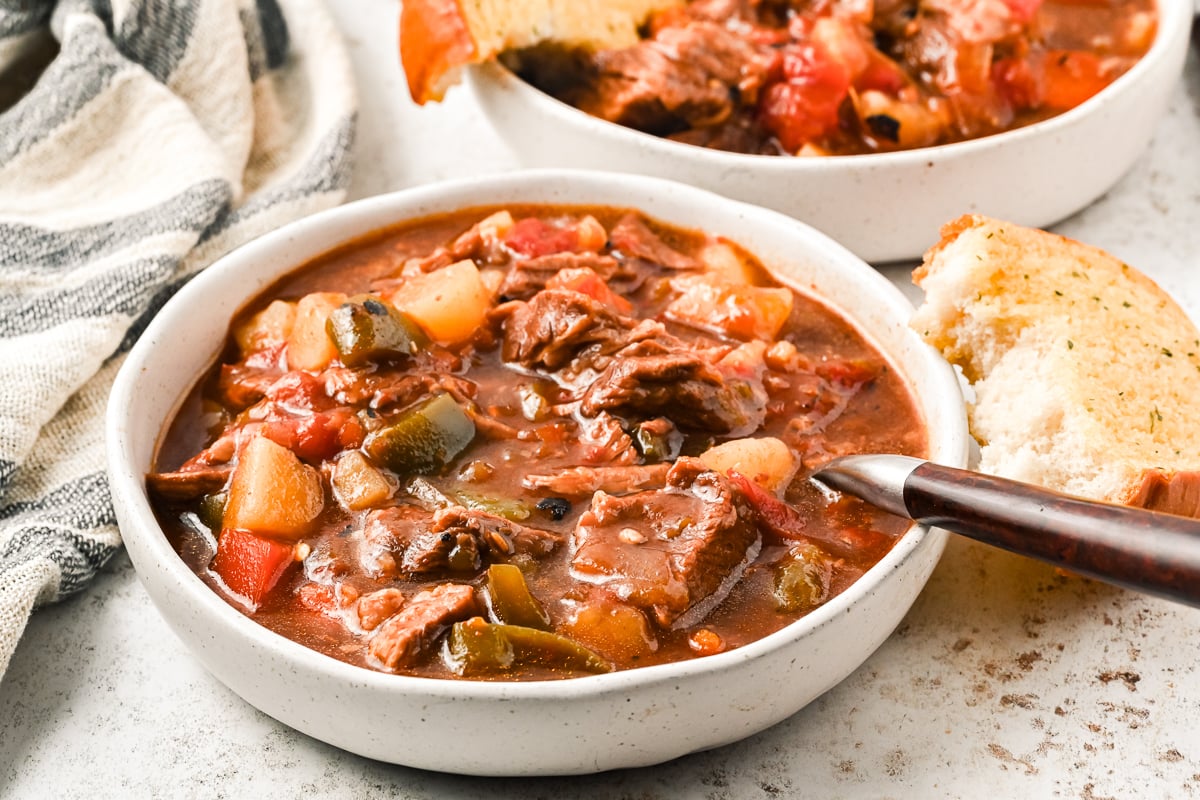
[
  {"x": 686, "y": 76},
  {"x": 501, "y": 537},
  {"x": 579, "y": 481},
  {"x": 493, "y": 428},
  {"x": 643, "y": 87},
  {"x": 606, "y": 442},
  {"x": 406, "y": 539},
  {"x": 386, "y": 534},
  {"x": 399, "y": 640},
  {"x": 552, "y": 328},
  {"x": 650, "y": 378},
  {"x": 528, "y": 276},
  {"x": 643, "y": 370},
  {"x": 189, "y": 484},
  {"x": 240, "y": 386},
  {"x": 633, "y": 237},
  {"x": 675, "y": 551}
]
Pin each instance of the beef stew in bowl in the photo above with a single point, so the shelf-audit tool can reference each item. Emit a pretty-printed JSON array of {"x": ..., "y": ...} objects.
[
  {"x": 531, "y": 442},
  {"x": 594, "y": 722},
  {"x": 825, "y": 79},
  {"x": 883, "y": 205}
]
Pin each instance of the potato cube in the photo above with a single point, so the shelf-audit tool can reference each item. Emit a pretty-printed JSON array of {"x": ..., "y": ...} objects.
[
  {"x": 449, "y": 303},
  {"x": 309, "y": 345},
  {"x": 722, "y": 260},
  {"x": 358, "y": 483},
  {"x": 767, "y": 461},
  {"x": 273, "y": 492},
  {"x": 270, "y": 327}
]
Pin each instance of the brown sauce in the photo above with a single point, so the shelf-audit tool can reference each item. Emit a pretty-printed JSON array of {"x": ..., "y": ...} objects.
[{"x": 815, "y": 385}]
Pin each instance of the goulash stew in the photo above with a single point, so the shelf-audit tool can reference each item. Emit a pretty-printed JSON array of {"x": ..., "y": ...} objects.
[
  {"x": 841, "y": 77},
  {"x": 530, "y": 443}
]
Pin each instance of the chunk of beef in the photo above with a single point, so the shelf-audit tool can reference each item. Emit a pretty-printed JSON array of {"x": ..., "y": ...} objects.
[
  {"x": 528, "y": 276},
  {"x": 633, "y": 237},
  {"x": 409, "y": 540},
  {"x": 675, "y": 552},
  {"x": 551, "y": 329},
  {"x": 399, "y": 640},
  {"x": 377, "y": 606},
  {"x": 604, "y": 441},
  {"x": 632, "y": 369},
  {"x": 579, "y": 481},
  {"x": 725, "y": 56},
  {"x": 656, "y": 378},
  {"x": 686, "y": 76},
  {"x": 741, "y": 133},
  {"x": 189, "y": 484},
  {"x": 499, "y": 536},
  {"x": 387, "y": 534},
  {"x": 240, "y": 386}
]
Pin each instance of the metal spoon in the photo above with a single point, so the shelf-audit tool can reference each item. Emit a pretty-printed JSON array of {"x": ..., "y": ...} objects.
[{"x": 1146, "y": 551}]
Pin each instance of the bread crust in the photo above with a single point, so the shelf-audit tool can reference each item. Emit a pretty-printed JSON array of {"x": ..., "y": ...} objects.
[
  {"x": 1086, "y": 374},
  {"x": 439, "y": 37},
  {"x": 434, "y": 40}
]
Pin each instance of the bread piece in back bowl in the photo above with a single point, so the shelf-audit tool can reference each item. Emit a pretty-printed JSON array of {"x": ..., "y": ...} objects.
[{"x": 439, "y": 37}]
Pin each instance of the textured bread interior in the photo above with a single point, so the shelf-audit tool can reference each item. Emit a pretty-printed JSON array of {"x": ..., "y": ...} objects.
[
  {"x": 1086, "y": 374},
  {"x": 499, "y": 25}
]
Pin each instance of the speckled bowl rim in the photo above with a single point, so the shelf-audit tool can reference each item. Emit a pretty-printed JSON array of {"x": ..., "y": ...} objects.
[
  {"x": 1174, "y": 22},
  {"x": 949, "y": 446}
]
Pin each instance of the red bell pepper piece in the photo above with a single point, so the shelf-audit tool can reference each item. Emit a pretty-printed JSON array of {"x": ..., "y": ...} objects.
[{"x": 250, "y": 565}]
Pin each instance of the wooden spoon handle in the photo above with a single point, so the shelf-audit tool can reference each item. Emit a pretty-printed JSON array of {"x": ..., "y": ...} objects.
[{"x": 1141, "y": 550}]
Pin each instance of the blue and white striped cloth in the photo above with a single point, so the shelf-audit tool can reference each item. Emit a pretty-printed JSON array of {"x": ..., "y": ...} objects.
[{"x": 163, "y": 134}]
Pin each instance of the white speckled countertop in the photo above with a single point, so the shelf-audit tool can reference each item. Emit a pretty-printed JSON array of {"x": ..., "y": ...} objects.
[{"x": 1006, "y": 679}]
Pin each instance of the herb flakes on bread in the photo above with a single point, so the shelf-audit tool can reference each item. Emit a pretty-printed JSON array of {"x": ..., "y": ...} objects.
[
  {"x": 1086, "y": 374},
  {"x": 439, "y": 37}
]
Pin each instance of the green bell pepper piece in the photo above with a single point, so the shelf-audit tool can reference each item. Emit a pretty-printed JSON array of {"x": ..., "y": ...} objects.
[
  {"x": 371, "y": 331},
  {"x": 424, "y": 438},
  {"x": 510, "y": 599},
  {"x": 477, "y": 647}
]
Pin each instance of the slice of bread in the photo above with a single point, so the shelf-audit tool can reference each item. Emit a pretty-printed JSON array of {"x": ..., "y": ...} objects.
[
  {"x": 439, "y": 37},
  {"x": 1086, "y": 374}
]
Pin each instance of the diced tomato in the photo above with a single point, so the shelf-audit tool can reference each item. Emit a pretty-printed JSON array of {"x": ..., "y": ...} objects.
[
  {"x": 350, "y": 432},
  {"x": 772, "y": 513},
  {"x": 1023, "y": 10},
  {"x": 804, "y": 107},
  {"x": 250, "y": 565},
  {"x": 586, "y": 281},
  {"x": 299, "y": 391},
  {"x": 318, "y": 436},
  {"x": 784, "y": 522},
  {"x": 534, "y": 237},
  {"x": 1071, "y": 77},
  {"x": 881, "y": 74},
  {"x": 848, "y": 372},
  {"x": 1017, "y": 83},
  {"x": 316, "y": 597}
]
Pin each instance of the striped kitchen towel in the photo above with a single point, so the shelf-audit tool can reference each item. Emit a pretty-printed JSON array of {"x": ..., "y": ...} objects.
[{"x": 162, "y": 134}]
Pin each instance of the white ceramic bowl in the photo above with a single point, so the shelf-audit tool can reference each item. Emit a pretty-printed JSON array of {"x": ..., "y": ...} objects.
[
  {"x": 622, "y": 719},
  {"x": 885, "y": 206}
]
